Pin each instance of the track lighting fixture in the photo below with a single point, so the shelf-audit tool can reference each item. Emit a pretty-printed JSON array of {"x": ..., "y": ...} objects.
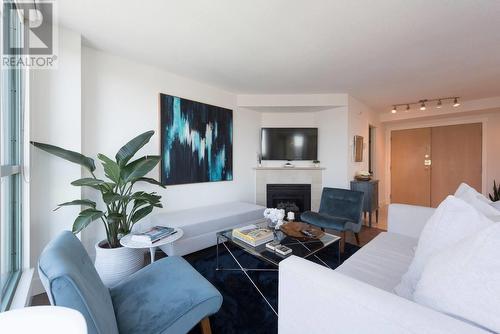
[
  {"x": 422, "y": 106},
  {"x": 422, "y": 103}
]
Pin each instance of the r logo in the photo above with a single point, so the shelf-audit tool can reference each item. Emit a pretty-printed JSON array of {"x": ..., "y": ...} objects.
[{"x": 38, "y": 27}]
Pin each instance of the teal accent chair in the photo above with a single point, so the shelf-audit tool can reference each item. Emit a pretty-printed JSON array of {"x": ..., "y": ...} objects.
[
  {"x": 167, "y": 296},
  {"x": 340, "y": 210}
]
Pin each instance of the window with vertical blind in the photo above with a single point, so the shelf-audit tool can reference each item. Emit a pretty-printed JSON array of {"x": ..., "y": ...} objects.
[{"x": 11, "y": 153}]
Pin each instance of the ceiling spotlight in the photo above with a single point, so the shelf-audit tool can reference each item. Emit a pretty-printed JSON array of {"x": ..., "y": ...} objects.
[
  {"x": 439, "y": 104},
  {"x": 422, "y": 106},
  {"x": 407, "y": 107},
  {"x": 394, "y": 110},
  {"x": 455, "y": 102}
]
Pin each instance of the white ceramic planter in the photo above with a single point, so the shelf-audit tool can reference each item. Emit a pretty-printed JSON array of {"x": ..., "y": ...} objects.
[{"x": 114, "y": 264}]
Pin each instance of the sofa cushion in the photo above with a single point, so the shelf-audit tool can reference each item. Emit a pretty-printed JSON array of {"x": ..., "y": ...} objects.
[
  {"x": 452, "y": 221},
  {"x": 206, "y": 219},
  {"x": 167, "y": 294},
  {"x": 477, "y": 200},
  {"x": 464, "y": 280},
  {"x": 382, "y": 261}
]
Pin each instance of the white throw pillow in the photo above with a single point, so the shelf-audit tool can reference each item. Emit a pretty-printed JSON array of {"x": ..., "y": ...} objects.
[
  {"x": 452, "y": 221},
  {"x": 476, "y": 199},
  {"x": 464, "y": 280}
]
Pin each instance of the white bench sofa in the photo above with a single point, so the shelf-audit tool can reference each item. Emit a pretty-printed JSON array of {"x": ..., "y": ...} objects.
[
  {"x": 358, "y": 296},
  {"x": 201, "y": 224}
]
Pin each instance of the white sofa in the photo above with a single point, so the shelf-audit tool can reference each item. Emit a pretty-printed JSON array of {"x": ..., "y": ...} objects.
[
  {"x": 358, "y": 296},
  {"x": 201, "y": 224}
]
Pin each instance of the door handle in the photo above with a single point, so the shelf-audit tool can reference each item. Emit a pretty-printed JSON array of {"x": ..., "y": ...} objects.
[{"x": 427, "y": 162}]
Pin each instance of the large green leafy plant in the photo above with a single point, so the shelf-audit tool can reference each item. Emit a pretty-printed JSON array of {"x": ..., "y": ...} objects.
[
  {"x": 495, "y": 197},
  {"x": 124, "y": 207}
]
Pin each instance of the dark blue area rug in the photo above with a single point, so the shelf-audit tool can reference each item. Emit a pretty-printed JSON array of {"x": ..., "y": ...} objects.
[{"x": 243, "y": 309}]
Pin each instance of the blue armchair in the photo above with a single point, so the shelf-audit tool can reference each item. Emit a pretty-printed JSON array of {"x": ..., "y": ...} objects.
[
  {"x": 168, "y": 296},
  {"x": 340, "y": 209}
]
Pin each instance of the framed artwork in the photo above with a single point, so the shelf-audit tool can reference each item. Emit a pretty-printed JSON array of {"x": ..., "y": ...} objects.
[
  {"x": 358, "y": 148},
  {"x": 196, "y": 141}
]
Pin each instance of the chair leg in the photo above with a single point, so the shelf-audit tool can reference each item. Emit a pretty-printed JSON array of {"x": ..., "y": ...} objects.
[
  {"x": 357, "y": 238},
  {"x": 205, "y": 326},
  {"x": 342, "y": 242}
]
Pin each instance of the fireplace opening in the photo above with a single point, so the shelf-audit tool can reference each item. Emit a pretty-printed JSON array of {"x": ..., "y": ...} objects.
[{"x": 290, "y": 197}]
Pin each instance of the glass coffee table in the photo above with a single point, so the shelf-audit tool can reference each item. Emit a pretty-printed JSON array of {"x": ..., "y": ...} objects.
[{"x": 304, "y": 249}]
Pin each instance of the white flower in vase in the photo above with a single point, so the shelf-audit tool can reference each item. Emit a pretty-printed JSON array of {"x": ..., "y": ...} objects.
[{"x": 276, "y": 216}]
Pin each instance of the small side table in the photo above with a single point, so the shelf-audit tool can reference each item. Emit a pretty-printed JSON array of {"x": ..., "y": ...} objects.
[{"x": 126, "y": 241}]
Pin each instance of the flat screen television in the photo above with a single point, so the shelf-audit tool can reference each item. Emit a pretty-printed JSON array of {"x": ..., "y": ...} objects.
[{"x": 289, "y": 143}]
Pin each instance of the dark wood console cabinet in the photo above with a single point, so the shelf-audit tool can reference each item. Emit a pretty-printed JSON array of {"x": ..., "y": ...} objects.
[{"x": 370, "y": 202}]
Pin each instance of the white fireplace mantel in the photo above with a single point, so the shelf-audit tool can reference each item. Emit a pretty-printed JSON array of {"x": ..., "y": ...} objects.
[
  {"x": 289, "y": 168},
  {"x": 287, "y": 175}
]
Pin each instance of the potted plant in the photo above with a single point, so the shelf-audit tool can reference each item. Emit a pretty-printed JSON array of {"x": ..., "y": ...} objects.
[
  {"x": 121, "y": 206},
  {"x": 495, "y": 197}
]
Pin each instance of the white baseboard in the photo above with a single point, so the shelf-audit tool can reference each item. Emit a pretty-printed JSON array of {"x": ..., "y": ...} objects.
[
  {"x": 22, "y": 296},
  {"x": 36, "y": 286}
]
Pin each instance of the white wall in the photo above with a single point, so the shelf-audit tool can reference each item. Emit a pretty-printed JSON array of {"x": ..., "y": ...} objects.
[
  {"x": 292, "y": 100},
  {"x": 337, "y": 127},
  {"x": 361, "y": 118},
  {"x": 492, "y": 146},
  {"x": 290, "y": 119},
  {"x": 333, "y": 145},
  {"x": 120, "y": 100},
  {"x": 55, "y": 110}
]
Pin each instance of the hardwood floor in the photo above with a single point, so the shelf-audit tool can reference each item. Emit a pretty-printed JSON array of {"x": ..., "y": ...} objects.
[
  {"x": 365, "y": 236},
  {"x": 40, "y": 299}
]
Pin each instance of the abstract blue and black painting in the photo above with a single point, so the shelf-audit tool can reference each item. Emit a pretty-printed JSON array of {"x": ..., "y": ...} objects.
[{"x": 196, "y": 141}]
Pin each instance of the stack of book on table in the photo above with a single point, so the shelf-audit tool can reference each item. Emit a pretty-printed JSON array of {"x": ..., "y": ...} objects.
[
  {"x": 154, "y": 234},
  {"x": 253, "y": 235}
]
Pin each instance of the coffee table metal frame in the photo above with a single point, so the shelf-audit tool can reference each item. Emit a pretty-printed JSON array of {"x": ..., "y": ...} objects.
[{"x": 225, "y": 236}]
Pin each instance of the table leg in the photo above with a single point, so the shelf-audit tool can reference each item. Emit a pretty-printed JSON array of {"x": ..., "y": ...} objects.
[
  {"x": 217, "y": 256},
  {"x": 244, "y": 271},
  {"x": 338, "y": 253},
  {"x": 152, "y": 251},
  {"x": 370, "y": 219},
  {"x": 376, "y": 215}
]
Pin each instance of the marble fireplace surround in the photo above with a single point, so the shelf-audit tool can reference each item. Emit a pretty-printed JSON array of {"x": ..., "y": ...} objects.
[{"x": 295, "y": 175}]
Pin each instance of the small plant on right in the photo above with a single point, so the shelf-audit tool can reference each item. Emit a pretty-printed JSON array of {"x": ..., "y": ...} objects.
[{"x": 495, "y": 197}]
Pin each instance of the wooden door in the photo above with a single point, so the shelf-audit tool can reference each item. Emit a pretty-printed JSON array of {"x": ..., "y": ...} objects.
[
  {"x": 456, "y": 158},
  {"x": 410, "y": 177}
]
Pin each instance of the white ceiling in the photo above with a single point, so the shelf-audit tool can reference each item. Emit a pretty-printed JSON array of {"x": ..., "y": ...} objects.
[{"x": 382, "y": 52}]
